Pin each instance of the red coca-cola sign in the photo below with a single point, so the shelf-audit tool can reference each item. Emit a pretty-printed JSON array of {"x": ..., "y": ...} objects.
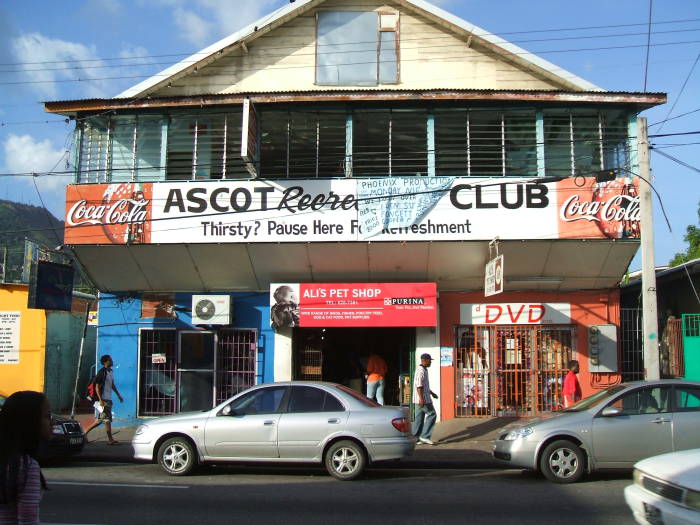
[
  {"x": 588, "y": 208},
  {"x": 113, "y": 213}
]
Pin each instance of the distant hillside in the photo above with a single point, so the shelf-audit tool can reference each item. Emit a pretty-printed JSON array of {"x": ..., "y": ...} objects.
[{"x": 25, "y": 221}]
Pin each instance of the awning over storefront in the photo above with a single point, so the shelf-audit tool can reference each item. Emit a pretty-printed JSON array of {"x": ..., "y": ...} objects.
[{"x": 553, "y": 265}]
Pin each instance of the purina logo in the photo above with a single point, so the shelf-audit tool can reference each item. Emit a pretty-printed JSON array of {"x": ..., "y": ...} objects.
[{"x": 392, "y": 301}]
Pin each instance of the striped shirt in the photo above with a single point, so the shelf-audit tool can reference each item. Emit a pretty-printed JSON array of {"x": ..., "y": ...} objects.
[
  {"x": 421, "y": 379},
  {"x": 24, "y": 511}
]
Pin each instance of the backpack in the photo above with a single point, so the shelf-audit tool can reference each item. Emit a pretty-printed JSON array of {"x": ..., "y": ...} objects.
[{"x": 91, "y": 390}]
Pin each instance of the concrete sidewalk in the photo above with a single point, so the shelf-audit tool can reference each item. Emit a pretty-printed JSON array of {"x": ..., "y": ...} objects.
[{"x": 462, "y": 443}]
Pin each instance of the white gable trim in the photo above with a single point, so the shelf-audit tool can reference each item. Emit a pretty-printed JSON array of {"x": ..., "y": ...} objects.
[{"x": 209, "y": 53}]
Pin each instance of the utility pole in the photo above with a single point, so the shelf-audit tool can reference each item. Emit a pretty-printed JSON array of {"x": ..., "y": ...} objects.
[{"x": 650, "y": 341}]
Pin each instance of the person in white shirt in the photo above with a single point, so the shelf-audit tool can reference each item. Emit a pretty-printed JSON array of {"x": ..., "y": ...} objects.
[{"x": 423, "y": 397}]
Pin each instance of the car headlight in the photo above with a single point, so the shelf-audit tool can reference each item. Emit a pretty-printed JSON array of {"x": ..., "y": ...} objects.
[
  {"x": 141, "y": 430},
  {"x": 692, "y": 499},
  {"x": 57, "y": 429},
  {"x": 518, "y": 433},
  {"x": 637, "y": 477}
]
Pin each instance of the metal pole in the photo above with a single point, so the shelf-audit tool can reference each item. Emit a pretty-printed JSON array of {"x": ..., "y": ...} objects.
[
  {"x": 80, "y": 360},
  {"x": 650, "y": 321}
]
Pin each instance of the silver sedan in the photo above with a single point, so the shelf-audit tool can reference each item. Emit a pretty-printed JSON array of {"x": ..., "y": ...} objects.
[
  {"x": 293, "y": 422},
  {"x": 611, "y": 429}
]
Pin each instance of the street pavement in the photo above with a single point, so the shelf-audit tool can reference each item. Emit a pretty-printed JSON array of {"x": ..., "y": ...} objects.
[{"x": 454, "y": 482}]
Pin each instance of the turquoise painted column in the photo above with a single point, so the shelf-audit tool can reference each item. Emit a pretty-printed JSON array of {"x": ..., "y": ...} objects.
[
  {"x": 431, "y": 144},
  {"x": 539, "y": 140},
  {"x": 348, "y": 144}
]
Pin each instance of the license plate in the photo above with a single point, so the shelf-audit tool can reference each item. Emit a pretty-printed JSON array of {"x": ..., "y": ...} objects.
[
  {"x": 652, "y": 515},
  {"x": 75, "y": 441}
]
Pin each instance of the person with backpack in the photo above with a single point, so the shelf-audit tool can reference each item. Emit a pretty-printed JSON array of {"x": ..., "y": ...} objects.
[
  {"x": 104, "y": 385},
  {"x": 25, "y": 421}
]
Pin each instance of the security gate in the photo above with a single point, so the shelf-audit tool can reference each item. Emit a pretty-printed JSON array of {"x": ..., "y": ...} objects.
[
  {"x": 188, "y": 370},
  {"x": 510, "y": 370}
]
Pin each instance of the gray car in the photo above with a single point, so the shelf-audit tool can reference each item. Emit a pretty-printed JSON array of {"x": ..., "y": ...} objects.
[
  {"x": 611, "y": 429},
  {"x": 292, "y": 422}
]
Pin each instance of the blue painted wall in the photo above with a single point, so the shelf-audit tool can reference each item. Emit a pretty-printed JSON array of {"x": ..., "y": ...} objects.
[{"x": 118, "y": 330}]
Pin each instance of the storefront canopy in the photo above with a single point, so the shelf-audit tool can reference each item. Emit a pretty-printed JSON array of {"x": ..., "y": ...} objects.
[{"x": 553, "y": 265}]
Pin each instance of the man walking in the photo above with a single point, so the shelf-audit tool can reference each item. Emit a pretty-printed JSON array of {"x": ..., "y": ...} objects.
[
  {"x": 376, "y": 372},
  {"x": 104, "y": 386},
  {"x": 572, "y": 388},
  {"x": 423, "y": 397}
]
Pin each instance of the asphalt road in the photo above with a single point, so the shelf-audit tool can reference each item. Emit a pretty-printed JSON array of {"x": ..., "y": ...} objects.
[{"x": 134, "y": 494}]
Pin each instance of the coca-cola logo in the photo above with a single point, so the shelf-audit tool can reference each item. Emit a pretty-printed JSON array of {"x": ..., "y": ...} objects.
[
  {"x": 620, "y": 208},
  {"x": 122, "y": 211}
]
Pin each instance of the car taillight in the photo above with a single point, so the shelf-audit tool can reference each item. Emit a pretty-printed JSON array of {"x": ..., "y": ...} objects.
[{"x": 401, "y": 424}]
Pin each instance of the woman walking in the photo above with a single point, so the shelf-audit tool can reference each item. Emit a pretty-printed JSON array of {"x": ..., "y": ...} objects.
[{"x": 25, "y": 420}]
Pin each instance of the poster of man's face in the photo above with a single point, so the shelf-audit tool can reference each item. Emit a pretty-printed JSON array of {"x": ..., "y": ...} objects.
[{"x": 284, "y": 305}]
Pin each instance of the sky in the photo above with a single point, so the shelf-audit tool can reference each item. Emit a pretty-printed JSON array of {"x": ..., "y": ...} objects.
[{"x": 99, "y": 32}]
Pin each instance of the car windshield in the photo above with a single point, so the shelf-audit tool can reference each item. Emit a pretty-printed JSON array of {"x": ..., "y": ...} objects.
[
  {"x": 596, "y": 399},
  {"x": 365, "y": 400}
]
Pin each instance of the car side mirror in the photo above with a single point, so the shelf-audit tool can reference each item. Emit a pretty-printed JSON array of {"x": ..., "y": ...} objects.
[
  {"x": 226, "y": 411},
  {"x": 611, "y": 412}
]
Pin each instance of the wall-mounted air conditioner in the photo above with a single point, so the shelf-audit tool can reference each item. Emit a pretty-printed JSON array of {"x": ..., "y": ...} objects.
[{"x": 211, "y": 309}]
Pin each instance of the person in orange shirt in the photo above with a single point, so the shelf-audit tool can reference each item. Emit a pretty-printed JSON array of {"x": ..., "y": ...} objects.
[{"x": 376, "y": 373}]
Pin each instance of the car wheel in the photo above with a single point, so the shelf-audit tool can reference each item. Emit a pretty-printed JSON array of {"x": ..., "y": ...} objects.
[
  {"x": 563, "y": 462},
  {"x": 345, "y": 460},
  {"x": 177, "y": 456}
]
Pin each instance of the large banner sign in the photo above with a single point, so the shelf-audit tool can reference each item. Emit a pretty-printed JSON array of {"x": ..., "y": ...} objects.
[
  {"x": 383, "y": 209},
  {"x": 515, "y": 313},
  {"x": 352, "y": 304}
]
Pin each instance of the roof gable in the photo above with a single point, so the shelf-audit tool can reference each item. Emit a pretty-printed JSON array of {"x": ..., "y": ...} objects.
[{"x": 517, "y": 58}]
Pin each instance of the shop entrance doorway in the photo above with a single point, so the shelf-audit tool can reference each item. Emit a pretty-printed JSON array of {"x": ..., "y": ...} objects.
[
  {"x": 511, "y": 370},
  {"x": 339, "y": 355}
]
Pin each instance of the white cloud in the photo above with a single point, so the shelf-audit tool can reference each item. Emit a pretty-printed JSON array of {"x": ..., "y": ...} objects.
[
  {"x": 25, "y": 154},
  {"x": 58, "y": 60},
  {"x": 193, "y": 27},
  {"x": 203, "y": 22}
]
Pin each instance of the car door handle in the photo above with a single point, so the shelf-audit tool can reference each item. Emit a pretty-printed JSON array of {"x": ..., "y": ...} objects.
[
  {"x": 268, "y": 422},
  {"x": 334, "y": 420},
  {"x": 660, "y": 420}
]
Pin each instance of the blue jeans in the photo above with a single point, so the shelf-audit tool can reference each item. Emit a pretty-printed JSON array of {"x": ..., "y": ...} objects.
[
  {"x": 376, "y": 387},
  {"x": 425, "y": 421}
]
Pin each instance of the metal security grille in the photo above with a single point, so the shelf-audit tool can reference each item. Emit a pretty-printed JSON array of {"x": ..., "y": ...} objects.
[
  {"x": 158, "y": 372},
  {"x": 672, "y": 344},
  {"x": 510, "y": 370},
  {"x": 237, "y": 352},
  {"x": 632, "y": 353}
]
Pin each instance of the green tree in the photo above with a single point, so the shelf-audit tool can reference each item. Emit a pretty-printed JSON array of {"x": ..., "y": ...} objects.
[{"x": 692, "y": 237}]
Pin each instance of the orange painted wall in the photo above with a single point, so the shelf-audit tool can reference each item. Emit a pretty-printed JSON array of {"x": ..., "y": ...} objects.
[
  {"x": 28, "y": 374},
  {"x": 587, "y": 308}
]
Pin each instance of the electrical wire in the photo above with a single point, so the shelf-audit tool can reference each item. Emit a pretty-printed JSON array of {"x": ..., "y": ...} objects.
[
  {"x": 677, "y": 161},
  {"x": 188, "y": 54},
  {"x": 336, "y": 52},
  {"x": 309, "y": 66},
  {"x": 676, "y": 117},
  {"x": 680, "y": 94},
  {"x": 646, "y": 61}
]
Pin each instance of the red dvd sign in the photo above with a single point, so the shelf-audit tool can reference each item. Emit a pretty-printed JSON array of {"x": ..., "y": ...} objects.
[{"x": 326, "y": 305}]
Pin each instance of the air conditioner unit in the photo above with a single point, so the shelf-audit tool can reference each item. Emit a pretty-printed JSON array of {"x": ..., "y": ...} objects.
[{"x": 211, "y": 309}]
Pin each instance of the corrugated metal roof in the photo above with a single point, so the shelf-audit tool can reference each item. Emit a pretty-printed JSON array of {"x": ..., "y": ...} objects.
[
  {"x": 365, "y": 90},
  {"x": 292, "y": 10}
]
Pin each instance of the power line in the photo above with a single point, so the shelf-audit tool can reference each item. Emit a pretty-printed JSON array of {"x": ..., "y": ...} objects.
[
  {"x": 657, "y": 135},
  {"x": 676, "y": 117},
  {"x": 680, "y": 94},
  {"x": 285, "y": 68},
  {"x": 676, "y": 160},
  {"x": 646, "y": 61},
  {"x": 188, "y": 54},
  {"x": 352, "y": 51}
]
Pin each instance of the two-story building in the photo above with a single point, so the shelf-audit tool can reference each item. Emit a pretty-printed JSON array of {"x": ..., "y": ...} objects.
[{"x": 331, "y": 181}]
